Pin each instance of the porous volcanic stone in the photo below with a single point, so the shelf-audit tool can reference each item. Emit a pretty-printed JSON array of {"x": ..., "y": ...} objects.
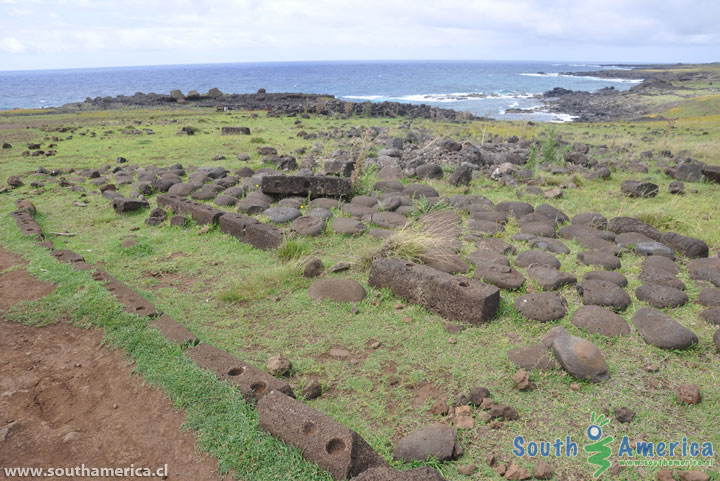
[
  {"x": 436, "y": 441},
  {"x": 314, "y": 186},
  {"x": 610, "y": 276},
  {"x": 621, "y": 225},
  {"x": 550, "y": 279},
  {"x": 320, "y": 439},
  {"x": 485, "y": 227},
  {"x": 663, "y": 278},
  {"x": 661, "y": 263},
  {"x": 659, "y": 329},
  {"x": 705, "y": 270},
  {"x": 173, "y": 330},
  {"x": 309, "y": 226},
  {"x": 603, "y": 293},
  {"x": 250, "y": 230},
  {"x": 635, "y": 188},
  {"x": 535, "y": 356},
  {"x": 420, "y": 190},
  {"x": 499, "y": 274},
  {"x": 281, "y": 215},
  {"x": 453, "y": 297},
  {"x": 578, "y": 356},
  {"x": 709, "y": 297},
  {"x": 540, "y": 229},
  {"x": 687, "y": 246},
  {"x": 592, "y": 219},
  {"x": 598, "y": 320},
  {"x": 542, "y": 306},
  {"x": 660, "y": 296},
  {"x": 653, "y": 248},
  {"x": 536, "y": 257},
  {"x": 343, "y": 290},
  {"x": 550, "y": 245},
  {"x": 514, "y": 208},
  {"x": 389, "y": 220},
  {"x": 345, "y": 225},
  {"x": 598, "y": 258}
]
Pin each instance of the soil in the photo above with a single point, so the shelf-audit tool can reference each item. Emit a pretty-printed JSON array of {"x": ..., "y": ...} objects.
[{"x": 69, "y": 401}]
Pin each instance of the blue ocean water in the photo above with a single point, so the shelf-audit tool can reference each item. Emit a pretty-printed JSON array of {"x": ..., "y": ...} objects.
[{"x": 480, "y": 87}]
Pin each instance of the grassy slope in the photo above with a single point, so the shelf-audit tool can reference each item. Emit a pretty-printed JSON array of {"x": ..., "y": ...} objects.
[{"x": 363, "y": 393}]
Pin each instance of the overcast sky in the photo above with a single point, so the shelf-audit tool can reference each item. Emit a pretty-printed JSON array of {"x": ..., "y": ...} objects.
[{"x": 38, "y": 34}]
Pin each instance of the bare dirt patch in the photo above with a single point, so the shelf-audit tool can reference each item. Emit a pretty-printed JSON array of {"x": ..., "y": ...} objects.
[{"x": 66, "y": 401}]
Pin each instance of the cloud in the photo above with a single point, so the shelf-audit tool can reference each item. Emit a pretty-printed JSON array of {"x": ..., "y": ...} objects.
[
  {"x": 182, "y": 31},
  {"x": 11, "y": 45}
]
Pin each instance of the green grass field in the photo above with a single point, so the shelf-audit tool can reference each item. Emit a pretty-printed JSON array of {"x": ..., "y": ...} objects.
[{"x": 254, "y": 304}]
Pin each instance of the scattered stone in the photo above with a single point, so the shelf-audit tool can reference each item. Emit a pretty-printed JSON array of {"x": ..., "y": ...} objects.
[
  {"x": 688, "y": 393},
  {"x": 705, "y": 270},
  {"x": 676, "y": 187},
  {"x": 500, "y": 275},
  {"x": 693, "y": 475},
  {"x": 653, "y": 248},
  {"x": 536, "y": 257},
  {"x": 687, "y": 246},
  {"x": 346, "y": 225},
  {"x": 624, "y": 415},
  {"x": 578, "y": 356},
  {"x": 314, "y": 186},
  {"x": 515, "y": 472},
  {"x": 280, "y": 215},
  {"x": 532, "y": 357},
  {"x": 178, "y": 220},
  {"x": 659, "y": 329},
  {"x": 278, "y": 365},
  {"x": 15, "y": 181},
  {"x": 598, "y": 320},
  {"x": 342, "y": 290},
  {"x": 313, "y": 268},
  {"x": 542, "y": 470},
  {"x": 467, "y": 470},
  {"x": 440, "y": 408},
  {"x": 621, "y": 225},
  {"x": 477, "y": 396},
  {"x": 550, "y": 245},
  {"x": 420, "y": 190},
  {"x": 709, "y": 297},
  {"x": 603, "y": 293},
  {"x": 634, "y": 188},
  {"x": 339, "y": 267},
  {"x": 711, "y": 315},
  {"x": 598, "y": 258},
  {"x": 665, "y": 475},
  {"x": 550, "y": 279},
  {"x": 435, "y": 440},
  {"x": 661, "y": 296},
  {"x": 522, "y": 380},
  {"x": 461, "y": 176},
  {"x": 308, "y": 226},
  {"x": 610, "y": 276},
  {"x": 542, "y": 306},
  {"x": 312, "y": 390}
]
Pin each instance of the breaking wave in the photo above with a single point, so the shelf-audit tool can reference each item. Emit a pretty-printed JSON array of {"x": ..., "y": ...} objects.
[{"x": 586, "y": 77}]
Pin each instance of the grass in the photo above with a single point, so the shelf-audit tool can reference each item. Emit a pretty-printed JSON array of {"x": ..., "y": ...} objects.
[{"x": 254, "y": 303}]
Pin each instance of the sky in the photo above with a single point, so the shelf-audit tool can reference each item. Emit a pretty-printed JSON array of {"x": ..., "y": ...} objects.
[{"x": 45, "y": 34}]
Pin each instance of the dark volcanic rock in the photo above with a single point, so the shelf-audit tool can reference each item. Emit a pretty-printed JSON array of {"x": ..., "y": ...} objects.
[
  {"x": 687, "y": 246},
  {"x": 536, "y": 257},
  {"x": 653, "y": 248},
  {"x": 634, "y": 188},
  {"x": 620, "y": 225},
  {"x": 542, "y": 306},
  {"x": 578, "y": 356},
  {"x": 461, "y": 176},
  {"x": 661, "y": 263},
  {"x": 603, "y": 293},
  {"x": 281, "y": 215},
  {"x": 592, "y": 219},
  {"x": 598, "y": 320},
  {"x": 343, "y": 290},
  {"x": 420, "y": 190},
  {"x": 709, "y": 297},
  {"x": 550, "y": 245},
  {"x": 453, "y": 297},
  {"x": 314, "y": 186},
  {"x": 659, "y": 329},
  {"x": 550, "y": 279},
  {"x": 711, "y": 315},
  {"x": 610, "y": 276},
  {"x": 436, "y": 441},
  {"x": 705, "y": 270},
  {"x": 532, "y": 357},
  {"x": 598, "y": 258},
  {"x": 499, "y": 274},
  {"x": 308, "y": 225},
  {"x": 514, "y": 208}
]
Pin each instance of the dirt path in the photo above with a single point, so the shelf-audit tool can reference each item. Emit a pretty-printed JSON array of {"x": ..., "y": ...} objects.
[{"x": 66, "y": 401}]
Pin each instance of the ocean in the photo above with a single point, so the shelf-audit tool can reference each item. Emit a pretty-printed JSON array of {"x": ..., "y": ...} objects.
[{"x": 480, "y": 87}]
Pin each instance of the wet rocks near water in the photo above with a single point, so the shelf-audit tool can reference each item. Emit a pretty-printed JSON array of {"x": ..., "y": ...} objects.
[
  {"x": 660, "y": 330},
  {"x": 342, "y": 290},
  {"x": 542, "y": 306}
]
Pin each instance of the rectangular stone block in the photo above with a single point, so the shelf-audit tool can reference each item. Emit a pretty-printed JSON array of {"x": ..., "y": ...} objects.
[
  {"x": 174, "y": 331},
  {"x": 250, "y": 230},
  {"x": 320, "y": 439},
  {"x": 202, "y": 213},
  {"x": 124, "y": 204},
  {"x": 252, "y": 382},
  {"x": 27, "y": 224},
  {"x": 342, "y": 168},
  {"x": 133, "y": 302},
  {"x": 313, "y": 185},
  {"x": 236, "y": 131},
  {"x": 456, "y": 298}
]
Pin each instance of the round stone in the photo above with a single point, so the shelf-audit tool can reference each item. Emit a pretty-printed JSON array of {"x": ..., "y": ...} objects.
[
  {"x": 280, "y": 215},
  {"x": 343, "y": 290}
]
